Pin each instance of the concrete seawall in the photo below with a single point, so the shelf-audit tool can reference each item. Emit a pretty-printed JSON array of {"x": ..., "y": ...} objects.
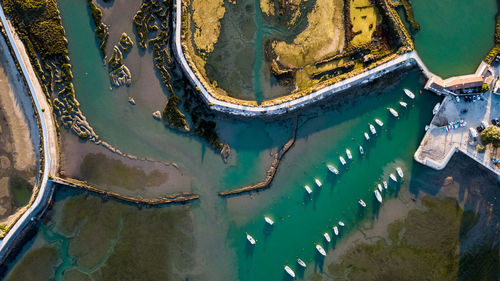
[{"x": 404, "y": 60}]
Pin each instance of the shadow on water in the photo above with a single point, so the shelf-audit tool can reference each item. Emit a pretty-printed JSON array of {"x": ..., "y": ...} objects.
[
  {"x": 319, "y": 261},
  {"x": 376, "y": 207},
  {"x": 268, "y": 229},
  {"x": 249, "y": 249}
]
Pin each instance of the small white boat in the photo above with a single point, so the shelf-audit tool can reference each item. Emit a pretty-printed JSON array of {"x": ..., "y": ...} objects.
[
  {"x": 250, "y": 239},
  {"x": 308, "y": 189},
  {"x": 342, "y": 160},
  {"x": 426, "y": 128},
  {"x": 378, "y": 196},
  {"x": 336, "y": 230},
  {"x": 367, "y": 137},
  {"x": 318, "y": 183},
  {"x": 348, "y": 152},
  {"x": 380, "y": 123},
  {"x": 341, "y": 223},
  {"x": 321, "y": 250},
  {"x": 436, "y": 108},
  {"x": 333, "y": 169},
  {"x": 372, "y": 129},
  {"x": 289, "y": 271},
  {"x": 269, "y": 220},
  {"x": 400, "y": 172},
  {"x": 361, "y": 150},
  {"x": 379, "y": 186},
  {"x": 301, "y": 263},
  {"x": 362, "y": 203},
  {"x": 393, "y": 177},
  {"x": 393, "y": 112},
  {"x": 403, "y": 104},
  {"x": 327, "y": 237},
  {"x": 409, "y": 93},
  {"x": 385, "y": 184}
]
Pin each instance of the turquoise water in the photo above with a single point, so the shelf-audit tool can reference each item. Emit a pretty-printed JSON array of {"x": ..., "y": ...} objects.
[
  {"x": 323, "y": 135},
  {"x": 455, "y": 35}
]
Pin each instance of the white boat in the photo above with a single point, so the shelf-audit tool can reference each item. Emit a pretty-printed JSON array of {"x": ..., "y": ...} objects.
[
  {"x": 342, "y": 160},
  {"x": 318, "y": 183},
  {"x": 308, "y": 189},
  {"x": 301, "y": 263},
  {"x": 409, "y": 93},
  {"x": 385, "y": 184},
  {"x": 341, "y": 223},
  {"x": 327, "y": 237},
  {"x": 393, "y": 112},
  {"x": 250, "y": 239},
  {"x": 269, "y": 220},
  {"x": 379, "y": 186},
  {"x": 436, "y": 108},
  {"x": 348, "y": 152},
  {"x": 321, "y": 250},
  {"x": 333, "y": 169},
  {"x": 367, "y": 137},
  {"x": 380, "y": 123},
  {"x": 393, "y": 177},
  {"x": 362, "y": 203},
  {"x": 372, "y": 129},
  {"x": 378, "y": 196},
  {"x": 403, "y": 104},
  {"x": 426, "y": 128},
  {"x": 361, "y": 150},
  {"x": 289, "y": 271},
  {"x": 336, "y": 230},
  {"x": 400, "y": 172}
]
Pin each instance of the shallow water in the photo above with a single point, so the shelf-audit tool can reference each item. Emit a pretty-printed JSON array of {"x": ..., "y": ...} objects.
[{"x": 324, "y": 132}]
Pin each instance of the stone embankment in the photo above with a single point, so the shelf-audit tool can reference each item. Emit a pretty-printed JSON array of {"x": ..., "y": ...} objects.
[{"x": 181, "y": 197}]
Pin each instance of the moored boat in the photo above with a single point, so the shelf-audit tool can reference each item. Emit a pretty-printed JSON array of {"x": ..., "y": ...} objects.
[
  {"x": 362, "y": 203},
  {"x": 380, "y": 123},
  {"x": 333, "y": 169},
  {"x": 269, "y": 220},
  {"x": 403, "y": 104},
  {"x": 393, "y": 112},
  {"x": 327, "y": 237},
  {"x": 336, "y": 230},
  {"x": 409, "y": 93},
  {"x": 308, "y": 189},
  {"x": 372, "y": 129},
  {"x": 378, "y": 196},
  {"x": 341, "y": 223},
  {"x": 342, "y": 160},
  {"x": 393, "y": 177},
  {"x": 348, "y": 152},
  {"x": 301, "y": 263},
  {"x": 318, "y": 183},
  {"x": 385, "y": 184},
  {"x": 289, "y": 271},
  {"x": 367, "y": 137},
  {"x": 435, "y": 110},
  {"x": 379, "y": 186},
  {"x": 361, "y": 150},
  {"x": 321, "y": 250},
  {"x": 251, "y": 239},
  {"x": 400, "y": 172}
]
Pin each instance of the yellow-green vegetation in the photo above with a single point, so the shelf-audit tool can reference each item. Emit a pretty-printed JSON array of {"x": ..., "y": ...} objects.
[
  {"x": 125, "y": 42},
  {"x": 171, "y": 113},
  {"x": 206, "y": 17},
  {"x": 364, "y": 20},
  {"x": 496, "y": 48},
  {"x": 267, "y": 7},
  {"x": 39, "y": 26},
  {"x": 480, "y": 148},
  {"x": 323, "y": 37},
  {"x": 491, "y": 135},
  {"x": 116, "y": 59},
  {"x": 101, "y": 30},
  {"x": 43, "y": 259},
  {"x": 423, "y": 246}
]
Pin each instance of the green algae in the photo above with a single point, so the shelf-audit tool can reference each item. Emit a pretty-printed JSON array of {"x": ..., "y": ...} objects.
[{"x": 38, "y": 264}]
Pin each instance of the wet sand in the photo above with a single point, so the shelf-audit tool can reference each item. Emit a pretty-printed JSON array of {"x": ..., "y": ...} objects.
[{"x": 19, "y": 135}]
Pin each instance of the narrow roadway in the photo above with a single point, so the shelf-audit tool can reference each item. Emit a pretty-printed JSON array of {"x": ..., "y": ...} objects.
[{"x": 48, "y": 132}]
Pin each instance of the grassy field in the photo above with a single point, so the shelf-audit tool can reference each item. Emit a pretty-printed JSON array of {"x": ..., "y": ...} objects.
[
  {"x": 323, "y": 37},
  {"x": 206, "y": 17},
  {"x": 364, "y": 19},
  {"x": 267, "y": 7}
]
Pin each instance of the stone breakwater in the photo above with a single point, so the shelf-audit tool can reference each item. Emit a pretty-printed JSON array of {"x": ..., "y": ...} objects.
[{"x": 234, "y": 107}]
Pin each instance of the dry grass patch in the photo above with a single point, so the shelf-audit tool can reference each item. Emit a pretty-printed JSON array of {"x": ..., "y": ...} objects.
[
  {"x": 364, "y": 19},
  {"x": 206, "y": 17},
  {"x": 323, "y": 37}
]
